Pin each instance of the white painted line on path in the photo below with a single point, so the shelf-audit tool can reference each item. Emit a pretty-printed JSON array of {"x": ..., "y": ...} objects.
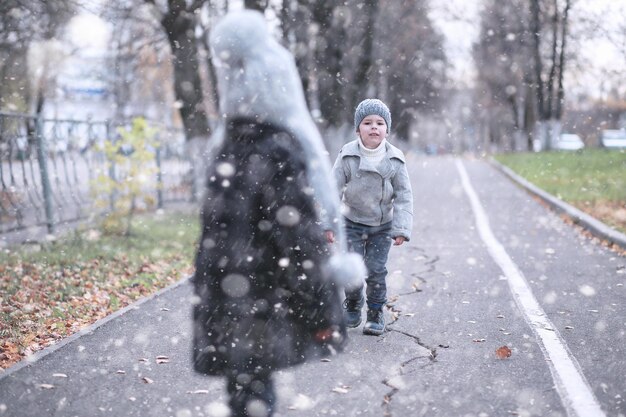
[{"x": 571, "y": 385}]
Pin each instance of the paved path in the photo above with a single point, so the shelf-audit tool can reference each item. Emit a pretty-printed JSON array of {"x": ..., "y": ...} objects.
[{"x": 460, "y": 290}]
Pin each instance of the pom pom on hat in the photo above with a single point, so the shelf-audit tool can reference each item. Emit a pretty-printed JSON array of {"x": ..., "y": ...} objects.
[{"x": 371, "y": 106}]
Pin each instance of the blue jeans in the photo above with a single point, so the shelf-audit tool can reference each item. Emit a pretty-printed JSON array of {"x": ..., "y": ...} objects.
[{"x": 373, "y": 243}]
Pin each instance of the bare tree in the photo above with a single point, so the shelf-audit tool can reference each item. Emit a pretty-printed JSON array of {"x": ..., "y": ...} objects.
[
  {"x": 411, "y": 63},
  {"x": 22, "y": 22},
  {"x": 142, "y": 71},
  {"x": 503, "y": 56},
  {"x": 343, "y": 55},
  {"x": 179, "y": 20},
  {"x": 549, "y": 23},
  {"x": 365, "y": 63},
  {"x": 521, "y": 54}
]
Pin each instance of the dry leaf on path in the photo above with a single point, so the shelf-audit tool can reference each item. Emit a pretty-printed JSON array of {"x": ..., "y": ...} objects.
[
  {"x": 147, "y": 380},
  {"x": 503, "y": 352},
  {"x": 46, "y": 386}
]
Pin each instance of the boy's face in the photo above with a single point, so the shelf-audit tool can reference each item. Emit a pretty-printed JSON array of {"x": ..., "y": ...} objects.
[{"x": 372, "y": 131}]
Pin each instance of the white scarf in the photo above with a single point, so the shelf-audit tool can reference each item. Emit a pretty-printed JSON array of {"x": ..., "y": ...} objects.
[{"x": 374, "y": 156}]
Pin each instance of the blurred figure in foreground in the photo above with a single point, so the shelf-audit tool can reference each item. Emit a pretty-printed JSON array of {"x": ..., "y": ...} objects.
[{"x": 266, "y": 285}]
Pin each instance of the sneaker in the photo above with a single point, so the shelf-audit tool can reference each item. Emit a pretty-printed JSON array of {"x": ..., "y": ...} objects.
[
  {"x": 375, "y": 324},
  {"x": 352, "y": 312}
]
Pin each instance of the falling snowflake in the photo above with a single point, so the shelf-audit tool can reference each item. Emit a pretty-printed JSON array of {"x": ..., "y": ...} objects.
[
  {"x": 288, "y": 216},
  {"x": 235, "y": 285}
]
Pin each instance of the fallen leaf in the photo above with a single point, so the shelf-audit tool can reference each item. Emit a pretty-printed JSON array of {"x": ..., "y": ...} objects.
[
  {"x": 147, "y": 380},
  {"x": 503, "y": 352},
  {"x": 165, "y": 309},
  {"x": 59, "y": 375},
  {"x": 120, "y": 372},
  {"x": 46, "y": 386},
  {"x": 344, "y": 389},
  {"x": 325, "y": 360},
  {"x": 499, "y": 316},
  {"x": 162, "y": 360},
  {"x": 199, "y": 391},
  {"x": 569, "y": 328}
]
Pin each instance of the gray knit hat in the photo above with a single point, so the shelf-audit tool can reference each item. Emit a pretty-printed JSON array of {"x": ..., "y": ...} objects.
[{"x": 372, "y": 106}]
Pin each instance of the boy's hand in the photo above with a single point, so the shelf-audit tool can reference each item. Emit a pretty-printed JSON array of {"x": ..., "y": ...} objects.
[
  {"x": 397, "y": 241},
  {"x": 330, "y": 236}
]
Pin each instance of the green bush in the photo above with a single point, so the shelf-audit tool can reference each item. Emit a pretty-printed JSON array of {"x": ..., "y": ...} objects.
[{"x": 131, "y": 159}]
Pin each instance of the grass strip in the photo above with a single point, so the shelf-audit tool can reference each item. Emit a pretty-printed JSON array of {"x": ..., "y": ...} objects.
[
  {"x": 51, "y": 291},
  {"x": 593, "y": 180}
]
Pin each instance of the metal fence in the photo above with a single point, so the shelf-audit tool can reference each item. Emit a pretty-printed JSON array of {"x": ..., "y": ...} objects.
[{"x": 47, "y": 167}]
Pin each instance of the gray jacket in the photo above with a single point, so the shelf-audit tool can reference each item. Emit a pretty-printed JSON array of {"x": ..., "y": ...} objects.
[{"x": 374, "y": 195}]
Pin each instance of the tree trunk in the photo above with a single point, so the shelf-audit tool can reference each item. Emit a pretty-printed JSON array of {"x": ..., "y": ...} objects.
[
  {"x": 561, "y": 90},
  {"x": 554, "y": 126},
  {"x": 302, "y": 49},
  {"x": 180, "y": 25},
  {"x": 259, "y": 5},
  {"x": 328, "y": 59},
  {"x": 366, "y": 59},
  {"x": 285, "y": 21},
  {"x": 553, "y": 64},
  {"x": 536, "y": 34}
]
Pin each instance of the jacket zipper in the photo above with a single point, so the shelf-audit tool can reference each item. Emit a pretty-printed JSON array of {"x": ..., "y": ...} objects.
[{"x": 380, "y": 205}]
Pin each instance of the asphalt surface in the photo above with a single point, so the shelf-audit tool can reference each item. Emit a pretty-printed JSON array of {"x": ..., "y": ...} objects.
[{"x": 452, "y": 305}]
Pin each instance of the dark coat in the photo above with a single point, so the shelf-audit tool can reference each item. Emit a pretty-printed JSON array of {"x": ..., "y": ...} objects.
[{"x": 263, "y": 292}]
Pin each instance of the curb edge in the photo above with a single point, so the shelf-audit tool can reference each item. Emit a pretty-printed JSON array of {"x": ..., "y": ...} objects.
[
  {"x": 35, "y": 357},
  {"x": 593, "y": 225}
]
